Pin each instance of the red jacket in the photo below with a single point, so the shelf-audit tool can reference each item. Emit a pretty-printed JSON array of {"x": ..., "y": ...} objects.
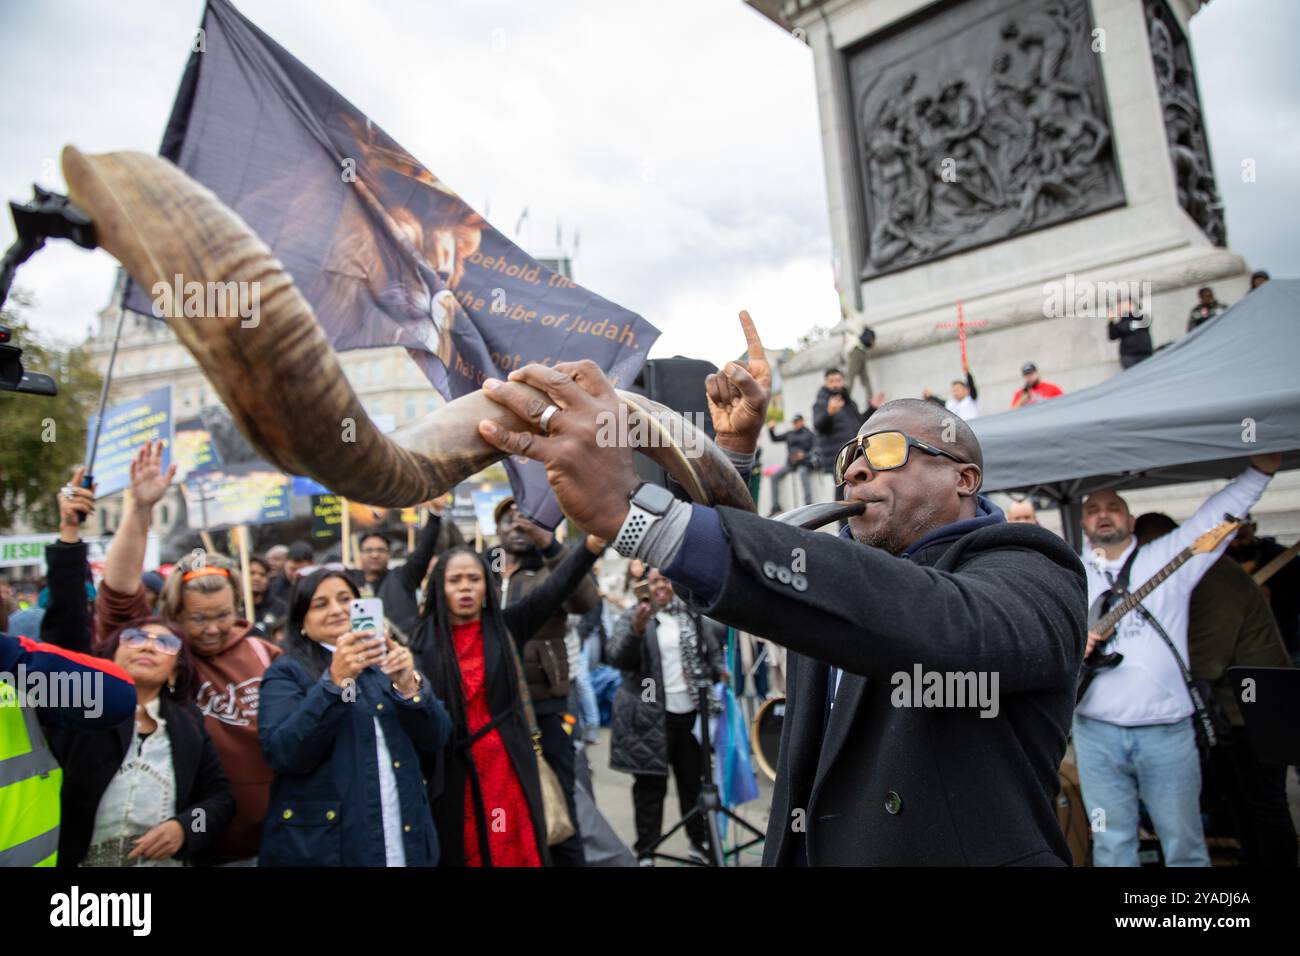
[{"x": 1038, "y": 393}]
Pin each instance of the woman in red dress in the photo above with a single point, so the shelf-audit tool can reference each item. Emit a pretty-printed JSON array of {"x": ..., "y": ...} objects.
[
  {"x": 493, "y": 785},
  {"x": 485, "y": 792}
]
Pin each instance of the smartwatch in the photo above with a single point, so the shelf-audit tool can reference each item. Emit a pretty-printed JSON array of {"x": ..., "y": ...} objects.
[{"x": 649, "y": 503}]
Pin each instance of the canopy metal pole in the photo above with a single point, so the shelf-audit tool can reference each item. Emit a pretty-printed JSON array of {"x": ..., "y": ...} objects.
[{"x": 1071, "y": 526}]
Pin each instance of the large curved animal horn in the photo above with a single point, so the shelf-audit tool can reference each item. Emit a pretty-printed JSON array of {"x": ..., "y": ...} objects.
[{"x": 278, "y": 375}]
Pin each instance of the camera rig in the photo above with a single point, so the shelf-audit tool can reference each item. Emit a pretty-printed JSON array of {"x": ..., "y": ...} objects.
[{"x": 49, "y": 215}]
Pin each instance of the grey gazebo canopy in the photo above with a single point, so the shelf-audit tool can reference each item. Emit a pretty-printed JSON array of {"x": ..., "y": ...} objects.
[{"x": 1193, "y": 411}]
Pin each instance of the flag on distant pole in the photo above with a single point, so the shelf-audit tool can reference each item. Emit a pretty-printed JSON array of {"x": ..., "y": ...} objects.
[{"x": 961, "y": 335}]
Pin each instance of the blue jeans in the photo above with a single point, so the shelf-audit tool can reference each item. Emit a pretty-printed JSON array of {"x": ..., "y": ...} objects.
[
  {"x": 1160, "y": 764},
  {"x": 587, "y": 708},
  {"x": 804, "y": 471}
]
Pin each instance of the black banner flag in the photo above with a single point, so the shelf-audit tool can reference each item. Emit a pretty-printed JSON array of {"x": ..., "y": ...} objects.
[{"x": 384, "y": 251}]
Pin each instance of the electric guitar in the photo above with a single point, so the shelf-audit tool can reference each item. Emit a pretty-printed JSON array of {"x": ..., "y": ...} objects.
[
  {"x": 1277, "y": 564},
  {"x": 1104, "y": 623}
]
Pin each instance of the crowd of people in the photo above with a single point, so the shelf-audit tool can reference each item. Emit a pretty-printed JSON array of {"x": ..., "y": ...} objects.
[
  {"x": 286, "y": 733},
  {"x": 279, "y": 735},
  {"x": 836, "y": 415}
]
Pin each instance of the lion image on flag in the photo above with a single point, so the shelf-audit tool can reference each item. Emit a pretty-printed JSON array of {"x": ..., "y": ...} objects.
[{"x": 434, "y": 232}]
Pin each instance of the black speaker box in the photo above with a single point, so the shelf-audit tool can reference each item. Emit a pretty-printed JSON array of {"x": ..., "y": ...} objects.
[{"x": 677, "y": 382}]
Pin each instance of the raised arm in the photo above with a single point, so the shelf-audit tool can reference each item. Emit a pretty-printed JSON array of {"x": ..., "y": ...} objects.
[
  {"x": 124, "y": 562},
  {"x": 417, "y": 562},
  {"x": 1018, "y": 611},
  {"x": 1235, "y": 498},
  {"x": 67, "y": 622},
  {"x": 624, "y": 647},
  {"x": 822, "y": 418},
  {"x": 571, "y": 574}
]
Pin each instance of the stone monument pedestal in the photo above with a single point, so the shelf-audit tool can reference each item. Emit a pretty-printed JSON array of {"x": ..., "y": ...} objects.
[
  {"x": 1000, "y": 153},
  {"x": 1035, "y": 160}
]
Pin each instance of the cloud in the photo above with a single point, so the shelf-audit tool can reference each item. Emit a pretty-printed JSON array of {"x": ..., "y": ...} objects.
[{"x": 681, "y": 138}]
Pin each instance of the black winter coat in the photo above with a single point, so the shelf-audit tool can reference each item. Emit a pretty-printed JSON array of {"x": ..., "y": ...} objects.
[
  {"x": 1134, "y": 335},
  {"x": 90, "y": 759},
  {"x": 565, "y": 573},
  {"x": 67, "y": 616},
  {"x": 833, "y": 431},
  {"x": 638, "y": 724},
  {"x": 796, "y": 440},
  {"x": 533, "y": 611},
  {"x": 454, "y": 768},
  {"x": 879, "y": 784}
]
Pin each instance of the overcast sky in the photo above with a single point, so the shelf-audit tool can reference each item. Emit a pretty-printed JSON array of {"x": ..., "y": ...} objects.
[{"x": 679, "y": 136}]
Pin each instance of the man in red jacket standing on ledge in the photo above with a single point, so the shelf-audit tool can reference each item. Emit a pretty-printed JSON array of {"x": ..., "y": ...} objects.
[{"x": 1035, "y": 390}]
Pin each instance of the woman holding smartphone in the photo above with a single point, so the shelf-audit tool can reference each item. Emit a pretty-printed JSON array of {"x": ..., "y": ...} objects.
[{"x": 345, "y": 719}]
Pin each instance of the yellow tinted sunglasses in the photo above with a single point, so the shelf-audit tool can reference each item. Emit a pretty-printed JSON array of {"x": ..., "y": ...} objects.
[{"x": 884, "y": 451}]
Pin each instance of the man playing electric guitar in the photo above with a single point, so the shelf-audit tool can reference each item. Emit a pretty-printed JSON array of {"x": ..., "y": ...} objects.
[{"x": 1133, "y": 733}]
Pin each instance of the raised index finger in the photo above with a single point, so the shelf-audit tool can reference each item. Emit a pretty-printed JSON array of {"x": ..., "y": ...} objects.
[{"x": 753, "y": 344}]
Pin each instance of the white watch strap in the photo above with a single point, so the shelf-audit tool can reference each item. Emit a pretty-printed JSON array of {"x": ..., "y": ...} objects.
[{"x": 633, "y": 531}]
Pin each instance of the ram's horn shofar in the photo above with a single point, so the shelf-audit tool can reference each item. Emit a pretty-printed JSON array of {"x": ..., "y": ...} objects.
[
  {"x": 280, "y": 378},
  {"x": 811, "y": 517}
]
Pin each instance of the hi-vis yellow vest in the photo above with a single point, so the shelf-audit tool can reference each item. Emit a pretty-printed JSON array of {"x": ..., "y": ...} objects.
[{"x": 30, "y": 781}]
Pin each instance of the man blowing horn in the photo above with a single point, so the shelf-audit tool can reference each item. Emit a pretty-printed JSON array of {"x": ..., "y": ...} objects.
[{"x": 929, "y": 580}]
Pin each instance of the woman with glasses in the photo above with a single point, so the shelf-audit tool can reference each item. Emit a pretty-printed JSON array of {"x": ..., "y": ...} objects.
[
  {"x": 346, "y": 721},
  {"x": 201, "y": 596},
  {"x": 151, "y": 791}
]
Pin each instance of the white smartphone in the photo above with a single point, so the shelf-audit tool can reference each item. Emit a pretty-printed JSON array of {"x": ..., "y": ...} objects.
[{"x": 367, "y": 614}]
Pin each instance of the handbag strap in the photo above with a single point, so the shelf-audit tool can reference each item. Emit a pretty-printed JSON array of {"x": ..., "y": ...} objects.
[
  {"x": 1198, "y": 704},
  {"x": 534, "y": 731}
]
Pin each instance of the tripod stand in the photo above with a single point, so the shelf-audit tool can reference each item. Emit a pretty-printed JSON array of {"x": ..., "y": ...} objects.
[{"x": 709, "y": 804}]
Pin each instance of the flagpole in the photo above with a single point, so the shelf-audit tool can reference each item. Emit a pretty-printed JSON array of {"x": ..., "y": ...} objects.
[
  {"x": 346, "y": 533},
  {"x": 243, "y": 571},
  {"x": 961, "y": 335},
  {"x": 88, "y": 480},
  {"x": 204, "y": 536}
]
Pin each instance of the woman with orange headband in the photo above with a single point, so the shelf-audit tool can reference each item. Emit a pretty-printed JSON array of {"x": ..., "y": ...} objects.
[{"x": 201, "y": 600}]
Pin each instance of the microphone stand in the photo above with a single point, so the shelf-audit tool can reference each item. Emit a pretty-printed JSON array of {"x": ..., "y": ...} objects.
[{"x": 709, "y": 803}]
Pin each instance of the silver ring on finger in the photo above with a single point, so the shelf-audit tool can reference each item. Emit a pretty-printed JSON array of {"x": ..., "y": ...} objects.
[{"x": 545, "y": 421}]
